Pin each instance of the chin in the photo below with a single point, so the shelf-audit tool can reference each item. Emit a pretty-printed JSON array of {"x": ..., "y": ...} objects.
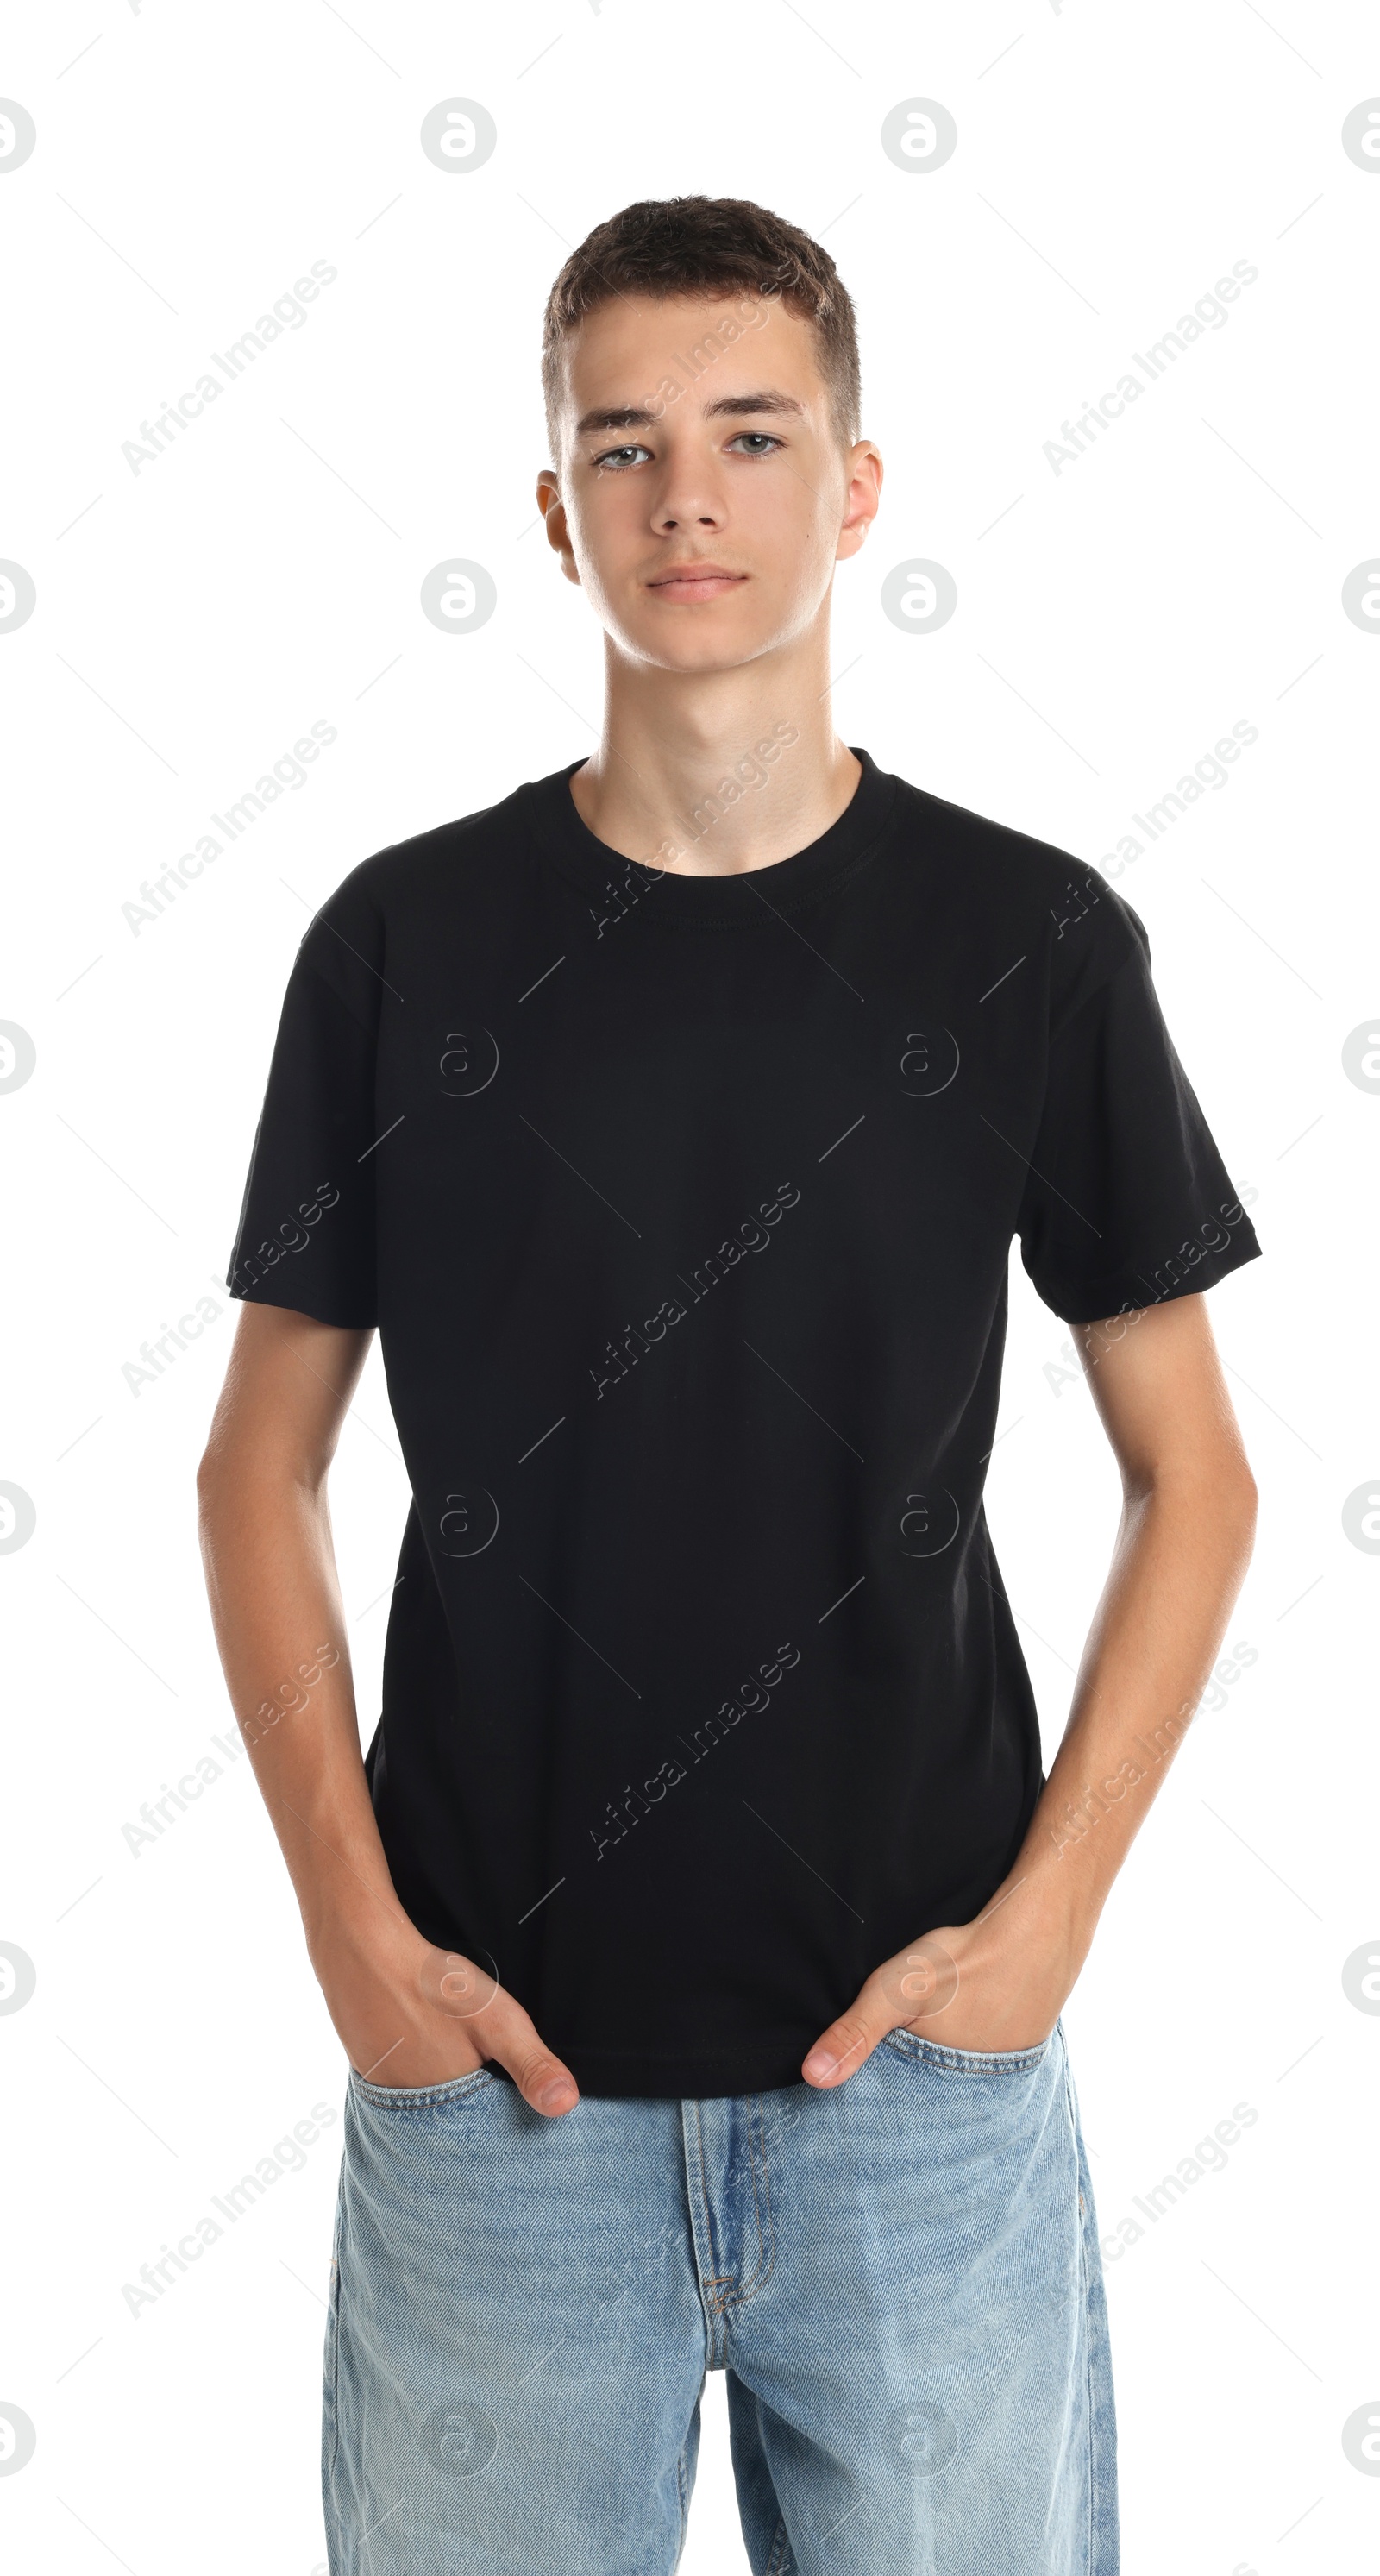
[{"x": 697, "y": 648}]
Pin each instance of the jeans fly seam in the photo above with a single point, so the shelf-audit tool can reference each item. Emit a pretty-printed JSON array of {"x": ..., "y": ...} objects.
[
  {"x": 714, "y": 2306},
  {"x": 765, "y": 2264}
]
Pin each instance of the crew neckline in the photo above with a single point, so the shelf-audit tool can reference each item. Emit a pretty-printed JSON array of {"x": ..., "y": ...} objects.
[{"x": 749, "y": 899}]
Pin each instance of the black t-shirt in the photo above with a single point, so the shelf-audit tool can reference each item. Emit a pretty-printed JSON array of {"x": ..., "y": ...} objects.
[{"x": 683, "y": 1207}]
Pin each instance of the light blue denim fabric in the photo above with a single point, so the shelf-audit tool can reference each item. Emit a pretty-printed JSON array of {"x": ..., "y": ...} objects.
[{"x": 901, "y": 2279}]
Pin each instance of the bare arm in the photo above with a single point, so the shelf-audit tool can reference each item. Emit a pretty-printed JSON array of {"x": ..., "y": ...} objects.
[
  {"x": 1187, "y": 1523},
  {"x": 407, "y": 2013}
]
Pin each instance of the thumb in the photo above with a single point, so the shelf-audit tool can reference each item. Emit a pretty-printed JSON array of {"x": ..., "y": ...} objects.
[
  {"x": 512, "y": 2037},
  {"x": 920, "y": 1979},
  {"x": 497, "y": 2026},
  {"x": 848, "y": 2042}
]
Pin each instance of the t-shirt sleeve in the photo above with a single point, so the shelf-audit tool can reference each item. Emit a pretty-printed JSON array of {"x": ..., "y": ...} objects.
[
  {"x": 306, "y": 1231},
  {"x": 1127, "y": 1201}
]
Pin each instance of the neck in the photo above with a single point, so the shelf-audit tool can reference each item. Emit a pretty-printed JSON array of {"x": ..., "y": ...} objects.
[{"x": 713, "y": 773}]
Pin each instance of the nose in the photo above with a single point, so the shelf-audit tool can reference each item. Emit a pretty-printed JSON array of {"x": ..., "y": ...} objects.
[
  {"x": 687, "y": 498},
  {"x": 683, "y": 515}
]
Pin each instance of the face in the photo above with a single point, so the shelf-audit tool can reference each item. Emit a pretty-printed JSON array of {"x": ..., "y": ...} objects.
[{"x": 702, "y": 497}]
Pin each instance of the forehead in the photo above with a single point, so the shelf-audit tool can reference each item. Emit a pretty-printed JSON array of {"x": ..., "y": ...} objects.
[{"x": 707, "y": 347}]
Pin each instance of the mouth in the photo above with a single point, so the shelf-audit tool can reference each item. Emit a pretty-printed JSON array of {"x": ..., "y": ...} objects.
[{"x": 695, "y": 581}]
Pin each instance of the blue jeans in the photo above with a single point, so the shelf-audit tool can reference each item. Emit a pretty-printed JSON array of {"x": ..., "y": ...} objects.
[{"x": 901, "y": 2279}]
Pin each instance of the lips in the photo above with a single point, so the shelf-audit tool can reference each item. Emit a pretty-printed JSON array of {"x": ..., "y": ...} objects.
[{"x": 695, "y": 581}]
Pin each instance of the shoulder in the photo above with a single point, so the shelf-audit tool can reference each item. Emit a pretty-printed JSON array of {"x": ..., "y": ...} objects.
[
  {"x": 1079, "y": 928},
  {"x": 413, "y": 875},
  {"x": 408, "y": 890}
]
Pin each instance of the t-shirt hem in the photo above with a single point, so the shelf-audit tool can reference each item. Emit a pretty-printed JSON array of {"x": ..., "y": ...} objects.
[
  {"x": 1119, "y": 1291},
  {"x": 768, "y": 2066},
  {"x": 322, "y": 1310}
]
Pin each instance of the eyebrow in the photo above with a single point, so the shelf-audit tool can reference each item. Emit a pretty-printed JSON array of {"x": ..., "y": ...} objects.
[{"x": 729, "y": 406}]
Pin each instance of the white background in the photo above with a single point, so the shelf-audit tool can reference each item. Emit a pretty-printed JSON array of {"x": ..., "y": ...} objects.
[{"x": 1113, "y": 621}]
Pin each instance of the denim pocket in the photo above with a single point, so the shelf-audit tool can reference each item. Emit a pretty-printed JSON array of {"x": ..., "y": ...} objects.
[
  {"x": 968, "y": 2061},
  {"x": 421, "y": 2097}
]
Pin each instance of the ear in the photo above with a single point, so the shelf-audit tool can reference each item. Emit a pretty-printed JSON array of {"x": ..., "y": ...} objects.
[
  {"x": 863, "y": 499},
  {"x": 552, "y": 509}
]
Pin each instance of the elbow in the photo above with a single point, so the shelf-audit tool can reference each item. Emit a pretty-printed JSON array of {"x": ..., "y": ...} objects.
[
  {"x": 209, "y": 1490},
  {"x": 1228, "y": 1506},
  {"x": 1214, "y": 1495},
  {"x": 218, "y": 1480},
  {"x": 236, "y": 1473},
  {"x": 1233, "y": 1484},
  {"x": 1241, "y": 1501}
]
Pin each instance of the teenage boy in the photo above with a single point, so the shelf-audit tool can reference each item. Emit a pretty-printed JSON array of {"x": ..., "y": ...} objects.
[{"x": 698, "y": 1924}]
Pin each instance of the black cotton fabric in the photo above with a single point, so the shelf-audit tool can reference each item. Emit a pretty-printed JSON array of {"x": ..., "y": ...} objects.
[{"x": 683, "y": 1207}]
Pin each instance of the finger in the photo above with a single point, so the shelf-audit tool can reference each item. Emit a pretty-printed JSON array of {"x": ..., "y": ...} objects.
[
  {"x": 453, "y": 1985},
  {"x": 847, "y": 2043},
  {"x": 498, "y": 2027},
  {"x": 918, "y": 1982},
  {"x": 544, "y": 2082},
  {"x": 513, "y": 2038},
  {"x": 921, "y": 1982}
]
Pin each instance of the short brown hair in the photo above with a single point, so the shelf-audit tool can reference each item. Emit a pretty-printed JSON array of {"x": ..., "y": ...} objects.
[{"x": 671, "y": 246}]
